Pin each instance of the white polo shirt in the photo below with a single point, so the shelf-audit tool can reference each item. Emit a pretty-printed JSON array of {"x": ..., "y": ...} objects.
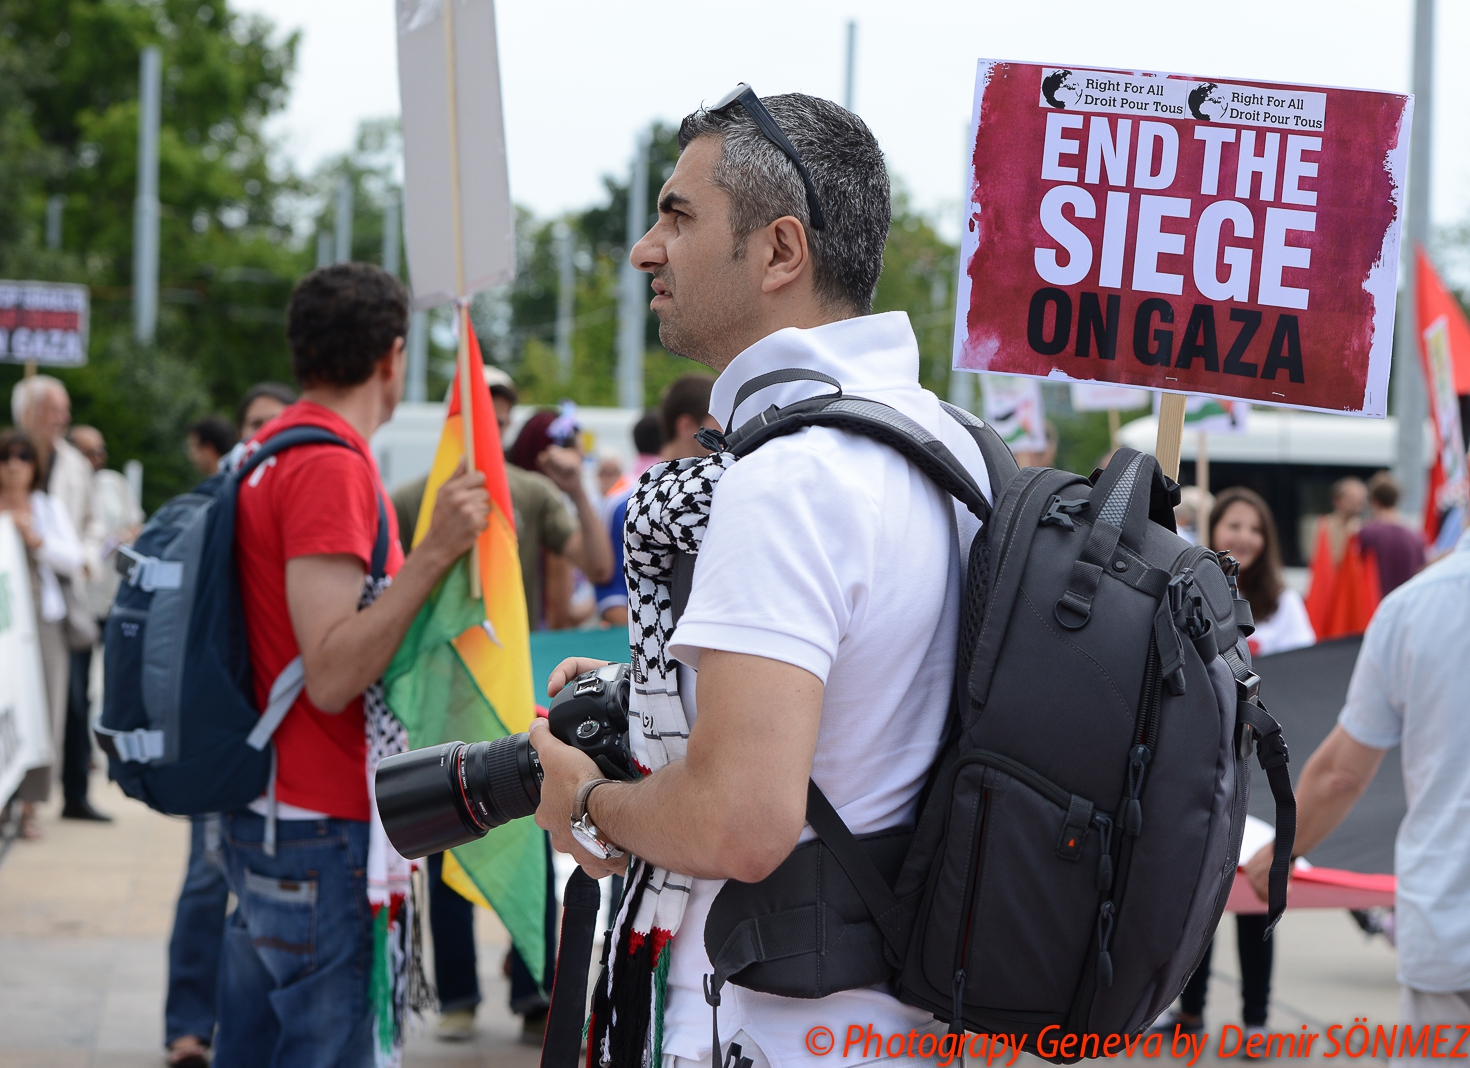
[
  {"x": 1411, "y": 687},
  {"x": 833, "y": 553}
]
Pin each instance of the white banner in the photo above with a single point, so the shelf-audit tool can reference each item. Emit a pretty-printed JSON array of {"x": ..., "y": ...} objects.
[
  {"x": 439, "y": 127},
  {"x": 1014, "y": 407},
  {"x": 25, "y": 736},
  {"x": 44, "y": 322},
  {"x": 1282, "y": 107},
  {"x": 1092, "y": 397}
]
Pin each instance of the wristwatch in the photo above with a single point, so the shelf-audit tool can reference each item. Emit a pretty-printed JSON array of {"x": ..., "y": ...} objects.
[{"x": 583, "y": 829}]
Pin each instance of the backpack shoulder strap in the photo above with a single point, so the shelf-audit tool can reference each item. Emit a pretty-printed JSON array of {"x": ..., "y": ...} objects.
[
  {"x": 315, "y": 435},
  {"x": 871, "y": 419},
  {"x": 1000, "y": 462}
]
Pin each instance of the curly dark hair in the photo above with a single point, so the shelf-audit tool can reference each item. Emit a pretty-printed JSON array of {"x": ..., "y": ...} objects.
[
  {"x": 1261, "y": 584},
  {"x": 341, "y": 321}
]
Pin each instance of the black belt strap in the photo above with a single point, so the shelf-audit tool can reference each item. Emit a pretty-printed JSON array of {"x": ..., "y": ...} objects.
[
  {"x": 562, "y": 1046},
  {"x": 774, "y": 936},
  {"x": 875, "y": 892}
]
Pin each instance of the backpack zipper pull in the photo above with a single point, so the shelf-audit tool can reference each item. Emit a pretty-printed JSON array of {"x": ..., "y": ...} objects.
[
  {"x": 1105, "y": 862},
  {"x": 1104, "y": 936},
  {"x": 956, "y": 1025},
  {"x": 1133, "y": 810}
]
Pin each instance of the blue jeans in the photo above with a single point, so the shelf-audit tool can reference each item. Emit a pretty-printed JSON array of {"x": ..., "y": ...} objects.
[
  {"x": 199, "y": 928},
  {"x": 298, "y": 947}
]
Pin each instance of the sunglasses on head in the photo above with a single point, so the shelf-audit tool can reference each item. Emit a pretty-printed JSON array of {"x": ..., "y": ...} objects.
[{"x": 745, "y": 96}]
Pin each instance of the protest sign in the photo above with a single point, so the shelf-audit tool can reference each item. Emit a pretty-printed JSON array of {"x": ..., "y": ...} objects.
[
  {"x": 25, "y": 736},
  {"x": 1223, "y": 237},
  {"x": 44, "y": 323},
  {"x": 461, "y": 230},
  {"x": 1013, "y": 406},
  {"x": 1212, "y": 415},
  {"x": 1091, "y": 397}
]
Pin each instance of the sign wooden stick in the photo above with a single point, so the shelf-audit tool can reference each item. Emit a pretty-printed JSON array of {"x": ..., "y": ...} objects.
[
  {"x": 1171, "y": 433},
  {"x": 1202, "y": 462},
  {"x": 1115, "y": 424},
  {"x": 466, "y": 411}
]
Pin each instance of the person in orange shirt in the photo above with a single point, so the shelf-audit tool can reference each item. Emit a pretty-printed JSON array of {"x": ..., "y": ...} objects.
[{"x": 1345, "y": 589}]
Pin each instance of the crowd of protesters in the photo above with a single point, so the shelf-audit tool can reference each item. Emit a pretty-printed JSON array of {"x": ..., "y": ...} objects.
[
  {"x": 71, "y": 513},
  {"x": 306, "y": 533}
]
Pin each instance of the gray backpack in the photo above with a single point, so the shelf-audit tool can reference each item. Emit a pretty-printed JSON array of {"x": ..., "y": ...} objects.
[{"x": 1080, "y": 831}]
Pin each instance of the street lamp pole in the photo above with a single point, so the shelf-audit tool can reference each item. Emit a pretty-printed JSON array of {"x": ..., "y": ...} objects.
[{"x": 1410, "y": 400}]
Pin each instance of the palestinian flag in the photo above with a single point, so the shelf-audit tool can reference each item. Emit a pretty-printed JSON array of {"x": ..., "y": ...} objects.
[{"x": 464, "y": 669}]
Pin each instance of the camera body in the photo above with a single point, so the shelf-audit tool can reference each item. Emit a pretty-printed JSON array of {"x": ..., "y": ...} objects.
[
  {"x": 448, "y": 795},
  {"x": 591, "y": 714}
]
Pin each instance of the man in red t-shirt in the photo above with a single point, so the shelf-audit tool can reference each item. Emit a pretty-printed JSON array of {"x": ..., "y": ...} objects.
[{"x": 299, "y": 946}]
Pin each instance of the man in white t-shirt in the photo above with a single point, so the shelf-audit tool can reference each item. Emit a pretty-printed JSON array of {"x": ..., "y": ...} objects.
[
  {"x": 819, "y": 636},
  {"x": 1409, "y": 689}
]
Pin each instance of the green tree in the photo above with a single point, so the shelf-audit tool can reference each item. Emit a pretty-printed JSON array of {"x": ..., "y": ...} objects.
[
  {"x": 227, "y": 258},
  {"x": 919, "y": 278}
]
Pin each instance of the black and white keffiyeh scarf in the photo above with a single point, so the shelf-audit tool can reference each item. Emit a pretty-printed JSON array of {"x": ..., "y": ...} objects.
[{"x": 667, "y": 513}]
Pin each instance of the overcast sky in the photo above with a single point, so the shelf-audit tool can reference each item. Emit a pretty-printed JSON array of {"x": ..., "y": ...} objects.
[{"x": 580, "y": 77}]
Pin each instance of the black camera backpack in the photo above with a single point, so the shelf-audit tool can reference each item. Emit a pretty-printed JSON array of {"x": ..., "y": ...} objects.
[{"x": 1080, "y": 831}]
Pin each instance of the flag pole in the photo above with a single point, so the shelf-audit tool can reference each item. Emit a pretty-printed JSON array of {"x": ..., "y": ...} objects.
[
  {"x": 461, "y": 303},
  {"x": 1171, "y": 433}
]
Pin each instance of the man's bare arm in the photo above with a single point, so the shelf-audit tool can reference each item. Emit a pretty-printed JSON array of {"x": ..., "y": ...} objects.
[
  {"x": 343, "y": 650},
  {"x": 1334, "y": 778},
  {"x": 734, "y": 807}
]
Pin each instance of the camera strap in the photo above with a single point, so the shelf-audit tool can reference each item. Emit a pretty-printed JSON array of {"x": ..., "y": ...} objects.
[{"x": 580, "y": 901}]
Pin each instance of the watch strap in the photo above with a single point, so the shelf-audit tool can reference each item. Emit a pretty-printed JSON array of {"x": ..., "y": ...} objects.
[{"x": 579, "y": 805}]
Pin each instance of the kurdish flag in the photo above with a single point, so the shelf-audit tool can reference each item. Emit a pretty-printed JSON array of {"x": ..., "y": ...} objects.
[{"x": 464, "y": 670}]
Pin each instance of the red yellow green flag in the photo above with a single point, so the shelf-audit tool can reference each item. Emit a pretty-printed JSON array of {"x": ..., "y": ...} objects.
[{"x": 464, "y": 670}]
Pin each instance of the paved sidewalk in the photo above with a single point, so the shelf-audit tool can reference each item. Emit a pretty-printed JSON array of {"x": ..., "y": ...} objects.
[{"x": 85, "y": 916}]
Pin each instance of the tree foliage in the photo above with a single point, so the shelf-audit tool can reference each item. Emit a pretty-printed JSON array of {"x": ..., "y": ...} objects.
[
  {"x": 227, "y": 258},
  {"x": 239, "y": 228}
]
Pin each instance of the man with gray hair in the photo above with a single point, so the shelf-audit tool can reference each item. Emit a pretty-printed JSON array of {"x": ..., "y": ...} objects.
[
  {"x": 818, "y": 637},
  {"x": 41, "y": 407}
]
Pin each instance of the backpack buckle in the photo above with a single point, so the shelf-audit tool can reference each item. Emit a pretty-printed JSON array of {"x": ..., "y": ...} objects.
[
  {"x": 1187, "y": 606},
  {"x": 1248, "y": 687},
  {"x": 711, "y": 439},
  {"x": 1059, "y": 512},
  {"x": 148, "y": 573}
]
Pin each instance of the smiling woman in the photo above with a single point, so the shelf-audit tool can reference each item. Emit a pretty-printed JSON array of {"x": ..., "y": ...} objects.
[{"x": 1241, "y": 524}]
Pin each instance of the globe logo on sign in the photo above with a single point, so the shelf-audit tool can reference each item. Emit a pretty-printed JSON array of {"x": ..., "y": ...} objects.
[
  {"x": 1207, "y": 102},
  {"x": 1061, "y": 89}
]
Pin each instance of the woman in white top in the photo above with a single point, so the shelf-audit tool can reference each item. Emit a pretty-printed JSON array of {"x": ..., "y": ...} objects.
[
  {"x": 1241, "y": 524},
  {"x": 55, "y": 554}
]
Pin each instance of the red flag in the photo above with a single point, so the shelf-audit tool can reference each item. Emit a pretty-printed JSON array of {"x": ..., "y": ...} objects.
[
  {"x": 1444, "y": 353},
  {"x": 1344, "y": 593}
]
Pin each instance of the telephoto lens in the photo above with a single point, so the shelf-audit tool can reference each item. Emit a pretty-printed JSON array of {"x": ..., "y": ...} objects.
[
  {"x": 443, "y": 796},
  {"x": 447, "y": 795}
]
